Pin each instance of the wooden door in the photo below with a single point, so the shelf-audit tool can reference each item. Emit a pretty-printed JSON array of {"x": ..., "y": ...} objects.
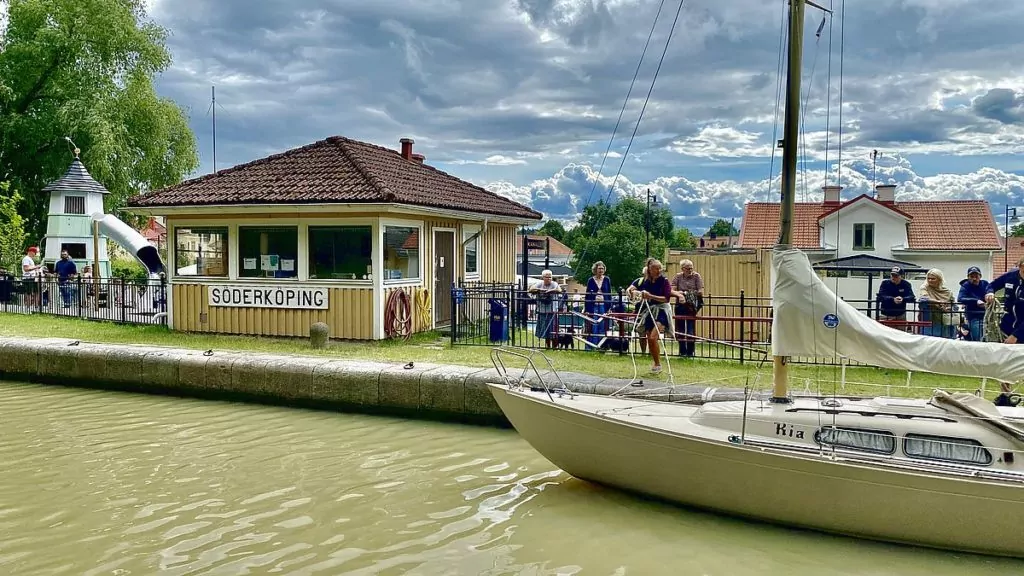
[{"x": 444, "y": 274}]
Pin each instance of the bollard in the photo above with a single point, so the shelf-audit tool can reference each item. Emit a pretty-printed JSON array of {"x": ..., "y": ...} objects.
[{"x": 318, "y": 334}]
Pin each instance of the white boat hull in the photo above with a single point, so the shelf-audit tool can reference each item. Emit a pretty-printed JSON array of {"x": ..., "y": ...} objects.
[{"x": 809, "y": 491}]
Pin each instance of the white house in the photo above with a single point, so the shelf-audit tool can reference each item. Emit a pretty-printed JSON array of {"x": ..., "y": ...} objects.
[{"x": 857, "y": 241}]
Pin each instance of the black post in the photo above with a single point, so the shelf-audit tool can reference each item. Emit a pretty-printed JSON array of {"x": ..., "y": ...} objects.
[
  {"x": 871, "y": 285},
  {"x": 547, "y": 252},
  {"x": 647, "y": 226},
  {"x": 123, "y": 302},
  {"x": 454, "y": 313},
  {"x": 743, "y": 314},
  {"x": 525, "y": 273},
  {"x": 78, "y": 295}
]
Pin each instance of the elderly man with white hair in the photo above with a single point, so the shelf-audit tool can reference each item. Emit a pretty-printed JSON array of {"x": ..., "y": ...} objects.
[{"x": 547, "y": 291}]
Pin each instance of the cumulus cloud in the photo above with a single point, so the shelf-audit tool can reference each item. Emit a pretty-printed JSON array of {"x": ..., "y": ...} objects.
[
  {"x": 523, "y": 95},
  {"x": 696, "y": 204}
]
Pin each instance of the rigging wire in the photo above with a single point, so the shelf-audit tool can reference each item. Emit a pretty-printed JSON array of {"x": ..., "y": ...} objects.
[
  {"x": 803, "y": 112},
  {"x": 783, "y": 34},
  {"x": 643, "y": 109},
  {"x": 625, "y": 102}
]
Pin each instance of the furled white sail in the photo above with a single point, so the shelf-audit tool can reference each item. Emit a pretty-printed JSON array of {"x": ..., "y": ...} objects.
[{"x": 810, "y": 321}]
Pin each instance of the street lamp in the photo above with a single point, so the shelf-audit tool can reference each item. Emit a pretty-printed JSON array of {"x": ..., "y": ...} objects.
[
  {"x": 651, "y": 199},
  {"x": 1006, "y": 234}
]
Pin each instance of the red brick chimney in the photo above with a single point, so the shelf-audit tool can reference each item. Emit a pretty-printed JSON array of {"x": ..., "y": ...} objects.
[
  {"x": 419, "y": 158},
  {"x": 406, "y": 148}
]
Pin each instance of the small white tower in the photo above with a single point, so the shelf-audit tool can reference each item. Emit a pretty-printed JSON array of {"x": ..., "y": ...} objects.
[{"x": 69, "y": 225}]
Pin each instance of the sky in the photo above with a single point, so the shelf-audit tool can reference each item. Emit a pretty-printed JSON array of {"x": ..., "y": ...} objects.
[{"x": 523, "y": 96}]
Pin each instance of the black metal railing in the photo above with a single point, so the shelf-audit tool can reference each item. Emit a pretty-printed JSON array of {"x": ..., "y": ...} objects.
[
  {"x": 112, "y": 300},
  {"x": 727, "y": 327}
]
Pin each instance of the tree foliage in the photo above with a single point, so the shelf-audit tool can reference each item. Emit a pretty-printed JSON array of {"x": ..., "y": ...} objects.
[
  {"x": 682, "y": 239},
  {"x": 722, "y": 228},
  {"x": 12, "y": 230},
  {"x": 620, "y": 247},
  {"x": 627, "y": 211},
  {"x": 554, "y": 229},
  {"x": 1017, "y": 230},
  {"x": 84, "y": 69}
]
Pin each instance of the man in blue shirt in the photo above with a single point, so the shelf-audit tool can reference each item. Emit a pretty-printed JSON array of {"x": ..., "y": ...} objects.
[
  {"x": 1012, "y": 285},
  {"x": 65, "y": 269},
  {"x": 893, "y": 295}
]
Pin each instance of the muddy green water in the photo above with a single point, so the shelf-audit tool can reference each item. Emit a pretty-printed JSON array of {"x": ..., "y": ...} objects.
[{"x": 98, "y": 482}]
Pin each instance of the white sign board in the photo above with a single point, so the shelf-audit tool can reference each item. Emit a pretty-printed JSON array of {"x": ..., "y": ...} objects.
[{"x": 242, "y": 296}]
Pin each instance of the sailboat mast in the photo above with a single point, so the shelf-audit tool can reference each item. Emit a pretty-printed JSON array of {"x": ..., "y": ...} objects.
[{"x": 790, "y": 139}]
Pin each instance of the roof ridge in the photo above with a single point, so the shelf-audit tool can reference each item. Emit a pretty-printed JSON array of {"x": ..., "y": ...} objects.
[{"x": 341, "y": 143}]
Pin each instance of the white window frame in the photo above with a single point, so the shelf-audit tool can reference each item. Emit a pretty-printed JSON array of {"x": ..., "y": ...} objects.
[
  {"x": 467, "y": 231},
  {"x": 379, "y": 250},
  {"x": 173, "y": 253}
]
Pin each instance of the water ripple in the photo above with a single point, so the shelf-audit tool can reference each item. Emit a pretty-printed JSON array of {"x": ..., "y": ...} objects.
[{"x": 104, "y": 483}]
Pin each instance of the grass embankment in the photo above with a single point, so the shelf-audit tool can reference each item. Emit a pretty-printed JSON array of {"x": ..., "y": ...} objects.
[{"x": 430, "y": 347}]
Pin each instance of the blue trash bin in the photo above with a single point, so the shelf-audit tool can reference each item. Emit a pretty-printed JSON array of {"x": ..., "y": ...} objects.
[{"x": 499, "y": 320}]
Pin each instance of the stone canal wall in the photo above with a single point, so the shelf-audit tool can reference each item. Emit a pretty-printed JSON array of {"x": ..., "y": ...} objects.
[{"x": 438, "y": 391}]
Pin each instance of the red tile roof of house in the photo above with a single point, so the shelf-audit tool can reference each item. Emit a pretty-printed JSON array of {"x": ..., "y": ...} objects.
[
  {"x": 557, "y": 248},
  {"x": 335, "y": 170},
  {"x": 1016, "y": 252},
  {"x": 931, "y": 224}
]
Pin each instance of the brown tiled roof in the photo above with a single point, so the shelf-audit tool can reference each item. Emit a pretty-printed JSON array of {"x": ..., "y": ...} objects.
[
  {"x": 931, "y": 224},
  {"x": 557, "y": 248},
  {"x": 1016, "y": 252},
  {"x": 336, "y": 169}
]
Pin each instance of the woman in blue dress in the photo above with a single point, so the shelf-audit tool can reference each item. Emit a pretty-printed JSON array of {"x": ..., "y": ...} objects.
[{"x": 597, "y": 301}]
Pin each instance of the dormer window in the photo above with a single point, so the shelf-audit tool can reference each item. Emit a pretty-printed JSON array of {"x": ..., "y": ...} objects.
[
  {"x": 74, "y": 204},
  {"x": 863, "y": 236}
]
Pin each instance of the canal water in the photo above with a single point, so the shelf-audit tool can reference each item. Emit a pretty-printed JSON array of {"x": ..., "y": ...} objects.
[{"x": 96, "y": 483}]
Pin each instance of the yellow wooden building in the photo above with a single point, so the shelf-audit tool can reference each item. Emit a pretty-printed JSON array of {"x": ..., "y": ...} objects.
[{"x": 327, "y": 232}]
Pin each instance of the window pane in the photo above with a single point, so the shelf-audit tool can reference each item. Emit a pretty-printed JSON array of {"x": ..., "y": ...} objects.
[
  {"x": 268, "y": 252},
  {"x": 471, "y": 248},
  {"x": 401, "y": 253},
  {"x": 869, "y": 235},
  {"x": 340, "y": 252},
  {"x": 75, "y": 250},
  {"x": 943, "y": 448},
  {"x": 201, "y": 251},
  {"x": 878, "y": 441},
  {"x": 858, "y": 236}
]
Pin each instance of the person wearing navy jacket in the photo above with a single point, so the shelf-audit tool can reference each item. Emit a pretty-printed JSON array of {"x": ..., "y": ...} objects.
[
  {"x": 972, "y": 297},
  {"x": 1012, "y": 285},
  {"x": 893, "y": 295}
]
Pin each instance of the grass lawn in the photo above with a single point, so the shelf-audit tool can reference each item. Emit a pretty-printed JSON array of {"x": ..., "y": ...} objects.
[{"x": 430, "y": 347}]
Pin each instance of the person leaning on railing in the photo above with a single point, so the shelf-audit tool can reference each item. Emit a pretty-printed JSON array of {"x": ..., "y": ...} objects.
[
  {"x": 937, "y": 301},
  {"x": 547, "y": 291},
  {"x": 893, "y": 296},
  {"x": 597, "y": 302},
  {"x": 972, "y": 297}
]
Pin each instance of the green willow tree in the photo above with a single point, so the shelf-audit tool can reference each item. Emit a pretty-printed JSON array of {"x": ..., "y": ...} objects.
[
  {"x": 84, "y": 69},
  {"x": 12, "y": 230}
]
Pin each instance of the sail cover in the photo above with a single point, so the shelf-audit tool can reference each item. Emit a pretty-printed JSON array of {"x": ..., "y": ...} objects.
[{"x": 810, "y": 321}]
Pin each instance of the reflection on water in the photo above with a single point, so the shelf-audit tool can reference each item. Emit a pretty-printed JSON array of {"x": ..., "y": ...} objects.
[{"x": 105, "y": 483}]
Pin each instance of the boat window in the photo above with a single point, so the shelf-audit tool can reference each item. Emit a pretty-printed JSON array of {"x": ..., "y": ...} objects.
[
  {"x": 878, "y": 441},
  {"x": 946, "y": 448}
]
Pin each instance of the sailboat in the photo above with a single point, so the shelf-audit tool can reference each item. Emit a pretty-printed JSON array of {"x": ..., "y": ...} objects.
[{"x": 943, "y": 472}]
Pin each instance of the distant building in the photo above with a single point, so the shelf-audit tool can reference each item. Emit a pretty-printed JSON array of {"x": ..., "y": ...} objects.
[{"x": 859, "y": 240}]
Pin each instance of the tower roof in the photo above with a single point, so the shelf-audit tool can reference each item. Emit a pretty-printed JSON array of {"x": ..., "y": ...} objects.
[{"x": 76, "y": 179}]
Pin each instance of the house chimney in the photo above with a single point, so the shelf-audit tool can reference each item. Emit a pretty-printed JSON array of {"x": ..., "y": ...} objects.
[
  {"x": 885, "y": 193},
  {"x": 406, "y": 148},
  {"x": 419, "y": 158},
  {"x": 832, "y": 193}
]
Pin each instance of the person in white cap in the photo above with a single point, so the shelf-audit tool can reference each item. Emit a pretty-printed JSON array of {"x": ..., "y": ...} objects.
[{"x": 972, "y": 297}]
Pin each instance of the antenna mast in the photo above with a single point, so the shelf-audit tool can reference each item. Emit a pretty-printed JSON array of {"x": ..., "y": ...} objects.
[{"x": 213, "y": 105}]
